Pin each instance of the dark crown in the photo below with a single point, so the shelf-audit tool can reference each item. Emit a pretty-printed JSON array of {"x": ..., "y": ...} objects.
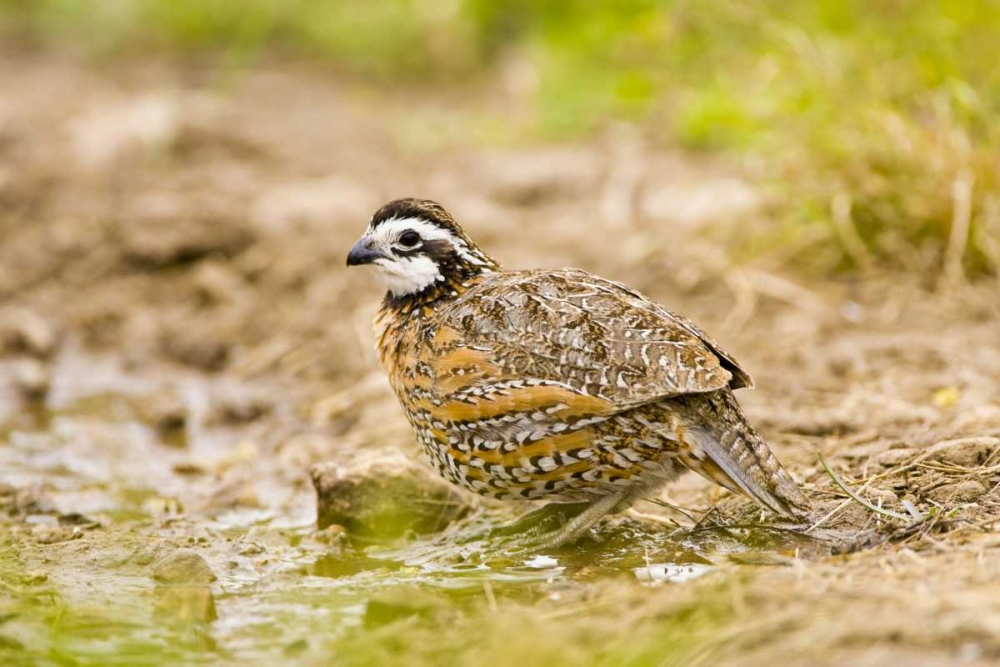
[{"x": 423, "y": 209}]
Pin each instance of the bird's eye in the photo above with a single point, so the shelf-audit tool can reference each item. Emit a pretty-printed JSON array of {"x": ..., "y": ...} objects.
[{"x": 409, "y": 239}]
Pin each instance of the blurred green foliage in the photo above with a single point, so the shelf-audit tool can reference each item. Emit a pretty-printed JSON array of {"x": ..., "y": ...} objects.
[{"x": 887, "y": 107}]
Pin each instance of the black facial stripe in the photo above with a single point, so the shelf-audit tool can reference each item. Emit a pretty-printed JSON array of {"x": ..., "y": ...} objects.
[{"x": 438, "y": 249}]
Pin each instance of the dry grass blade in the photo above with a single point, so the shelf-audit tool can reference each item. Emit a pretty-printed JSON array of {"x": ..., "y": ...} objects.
[
  {"x": 686, "y": 512},
  {"x": 960, "y": 225},
  {"x": 861, "y": 501}
]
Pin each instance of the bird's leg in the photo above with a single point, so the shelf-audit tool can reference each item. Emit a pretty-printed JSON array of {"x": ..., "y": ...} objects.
[
  {"x": 538, "y": 517},
  {"x": 584, "y": 521}
]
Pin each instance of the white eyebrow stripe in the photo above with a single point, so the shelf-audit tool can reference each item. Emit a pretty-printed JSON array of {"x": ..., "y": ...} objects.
[{"x": 386, "y": 232}]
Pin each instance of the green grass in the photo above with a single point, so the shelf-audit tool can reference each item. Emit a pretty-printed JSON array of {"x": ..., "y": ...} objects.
[{"x": 884, "y": 106}]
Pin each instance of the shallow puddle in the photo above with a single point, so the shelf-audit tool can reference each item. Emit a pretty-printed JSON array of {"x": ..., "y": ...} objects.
[{"x": 97, "y": 490}]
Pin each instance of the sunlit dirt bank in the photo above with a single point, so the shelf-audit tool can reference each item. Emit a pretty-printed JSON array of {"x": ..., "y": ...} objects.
[{"x": 182, "y": 343}]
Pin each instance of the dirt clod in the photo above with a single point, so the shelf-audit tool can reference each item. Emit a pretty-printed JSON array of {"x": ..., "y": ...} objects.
[
  {"x": 968, "y": 491},
  {"x": 965, "y": 452}
]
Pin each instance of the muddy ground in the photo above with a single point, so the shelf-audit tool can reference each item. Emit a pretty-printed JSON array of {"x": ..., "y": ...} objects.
[{"x": 182, "y": 342}]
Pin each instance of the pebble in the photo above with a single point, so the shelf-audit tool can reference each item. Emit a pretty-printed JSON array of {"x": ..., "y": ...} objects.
[
  {"x": 896, "y": 457},
  {"x": 183, "y": 567},
  {"x": 887, "y": 497}
]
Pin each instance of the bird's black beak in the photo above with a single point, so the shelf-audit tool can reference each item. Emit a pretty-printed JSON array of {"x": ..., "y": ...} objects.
[{"x": 361, "y": 253}]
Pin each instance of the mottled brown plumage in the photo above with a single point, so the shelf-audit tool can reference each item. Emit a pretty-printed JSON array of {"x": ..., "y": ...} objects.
[{"x": 554, "y": 384}]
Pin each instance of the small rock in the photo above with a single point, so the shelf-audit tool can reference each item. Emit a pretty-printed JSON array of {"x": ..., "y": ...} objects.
[
  {"x": 387, "y": 495},
  {"x": 884, "y": 496},
  {"x": 183, "y": 567},
  {"x": 968, "y": 491},
  {"x": 33, "y": 380},
  {"x": 895, "y": 457},
  {"x": 965, "y": 452}
]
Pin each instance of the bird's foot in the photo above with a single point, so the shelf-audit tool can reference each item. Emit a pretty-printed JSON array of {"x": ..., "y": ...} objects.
[
  {"x": 547, "y": 518},
  {"x": 577, "y": 526}
]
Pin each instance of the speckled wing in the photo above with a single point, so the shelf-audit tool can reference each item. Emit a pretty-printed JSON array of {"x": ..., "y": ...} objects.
[
  {"x": 740, "y": 378},
  {"x": 591, "y": 335}
]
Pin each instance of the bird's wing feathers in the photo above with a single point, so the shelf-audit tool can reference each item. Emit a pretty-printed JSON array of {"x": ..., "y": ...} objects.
[
  {"x": 740, "y": 378},
  {"x": 594, "y": 336}
]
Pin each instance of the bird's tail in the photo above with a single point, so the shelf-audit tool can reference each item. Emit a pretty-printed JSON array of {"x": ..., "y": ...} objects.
[{"x": 725, "y": 448}]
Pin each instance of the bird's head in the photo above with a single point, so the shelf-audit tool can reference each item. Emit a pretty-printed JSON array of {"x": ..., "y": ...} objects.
[{"x": 417, "y": 247}]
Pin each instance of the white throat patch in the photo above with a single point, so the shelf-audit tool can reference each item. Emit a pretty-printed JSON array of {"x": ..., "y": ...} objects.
[{"x": 409, "y": 275}]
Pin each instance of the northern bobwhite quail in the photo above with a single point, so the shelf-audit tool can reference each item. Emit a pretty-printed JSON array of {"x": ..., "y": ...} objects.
[{"x": 554, "y": 384}]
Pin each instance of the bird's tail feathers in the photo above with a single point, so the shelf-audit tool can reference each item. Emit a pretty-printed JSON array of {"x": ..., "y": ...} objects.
[{"x": 727, "y": 451}]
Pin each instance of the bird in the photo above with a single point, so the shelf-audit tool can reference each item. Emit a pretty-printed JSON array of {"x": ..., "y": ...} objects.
[{"x": 557, "y": 384}]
